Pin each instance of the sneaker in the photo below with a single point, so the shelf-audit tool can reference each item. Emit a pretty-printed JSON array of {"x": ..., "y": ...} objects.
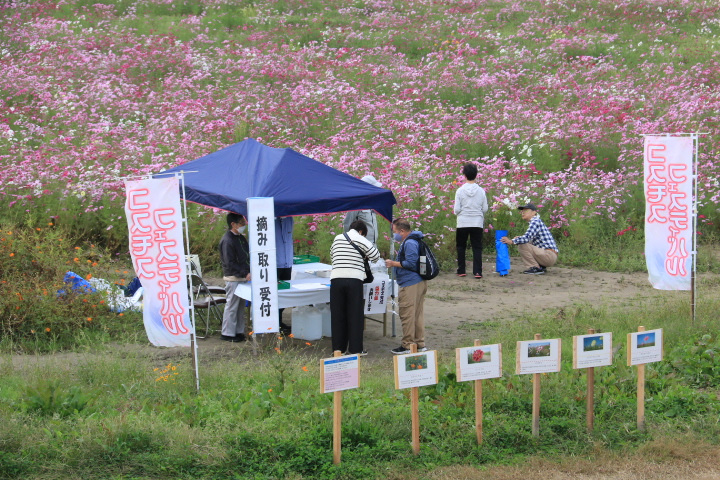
[
  {"x": 285, "y": 328},
  {"x": 478, "y": 276},
  {"x": 422, "y": 349},
  {"x": 236, "y": 339},
  {"x": 461, "y": 275},
  {"x": 361, "y": 354},
  {"x": 535, "y": 271},
  {"x": 400, "y": 350}
]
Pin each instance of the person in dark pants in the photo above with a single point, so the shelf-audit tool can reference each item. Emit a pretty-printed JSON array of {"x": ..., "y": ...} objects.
[
  {"x": 470, "y": 207},
  {"x": 346, "y": 288},
  {"x": 284, "y": 257}
]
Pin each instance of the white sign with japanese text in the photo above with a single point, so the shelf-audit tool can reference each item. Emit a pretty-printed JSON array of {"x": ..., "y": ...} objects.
[
  {"x": 668, "y": 211},
  {"x": 263, "y": 264},
  {"x": 157, "y": 250}
]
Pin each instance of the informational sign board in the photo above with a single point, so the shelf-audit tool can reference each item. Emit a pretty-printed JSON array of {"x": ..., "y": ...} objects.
[
  {"x": 158, "y": 255},
  {"x": 416, "y": 369},
  {"x": 592, "y": 350},
  {"x": 668, "y": 174},
  {"x": 377, "y": 295},
  {"x": 645, "y": 347},
  {"x": 339, "y": 373},
  {"x": 478, "y": 363},
  {"x": 263, "y": 264},
  {"x": 538, "y": 356}
]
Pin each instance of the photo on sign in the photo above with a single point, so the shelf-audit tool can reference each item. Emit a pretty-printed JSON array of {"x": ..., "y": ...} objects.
[
  {"x": 593, "y": 343},
  {"x": 541, "y": 349},
  {"x": 479, "y": 355},
  {"x": 538, "y": 356},
  {"x": 646, "y": 340},
  {"x": 415, "y": 362},
  {"x": 592, "y": 350},
  {"x": 645, "y": 347},
  {"x": 478, "y": 362}
]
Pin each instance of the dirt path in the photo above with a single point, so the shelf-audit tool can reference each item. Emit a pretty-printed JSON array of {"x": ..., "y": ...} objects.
[{"x": 457, "y": 310}]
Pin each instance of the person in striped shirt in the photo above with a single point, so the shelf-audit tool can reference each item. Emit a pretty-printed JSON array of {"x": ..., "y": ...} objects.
[
  {"x": 346, "y": 287},
  {"x": 537, "y": 247}
]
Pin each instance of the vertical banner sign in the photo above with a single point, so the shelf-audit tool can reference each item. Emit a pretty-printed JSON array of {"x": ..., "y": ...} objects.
[
  {"x": 154, "y": 221},
  {"x": 668, "y": 211},
  {"x": 263, "y": 264}
]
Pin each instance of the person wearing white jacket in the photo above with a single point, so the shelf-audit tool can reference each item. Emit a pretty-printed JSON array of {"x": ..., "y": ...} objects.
[{"x": 470, "y": 207}]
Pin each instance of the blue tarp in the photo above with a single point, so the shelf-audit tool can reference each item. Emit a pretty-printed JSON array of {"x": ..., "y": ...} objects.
[{"x": 299, "y": 184}]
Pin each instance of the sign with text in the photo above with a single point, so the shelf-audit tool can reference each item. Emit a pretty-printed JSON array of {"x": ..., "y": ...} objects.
[
  {"x": 377, "y": 295},
  {"x": 416, "y": 369},
  {"x": 668, "y": 172},
  {"x": 592, "y": 350},
  {"x": 339, "y": 373},
  {"x": 157, "y": 250},
  {"x": 645, "y": 347},
  {"x": 478, "y": 363},
  {"x": 538, "y": 356},
  {"x": 263, "y": 264}
]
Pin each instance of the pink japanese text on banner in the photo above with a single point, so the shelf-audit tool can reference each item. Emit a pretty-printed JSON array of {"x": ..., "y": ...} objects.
[
  {"x": 152, "y": 208},
  {"x": 668, "y": 187}
]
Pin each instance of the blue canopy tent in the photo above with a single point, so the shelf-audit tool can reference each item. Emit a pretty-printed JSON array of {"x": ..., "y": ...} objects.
[{"x": 299, "y": 185}]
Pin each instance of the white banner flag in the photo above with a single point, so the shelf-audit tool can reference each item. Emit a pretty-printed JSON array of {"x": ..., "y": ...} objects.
[
  {"x": 156, "y": 247},
  {"x": 263, "y": 265},
  {"x": 668, "y": 211}
]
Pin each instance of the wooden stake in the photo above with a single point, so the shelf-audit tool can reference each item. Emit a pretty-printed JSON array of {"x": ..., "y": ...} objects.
[
  {"x": 478, "y": 405},
  {"x": 415, "y": 412},
  {"x": 337, "y": 420},
  {"x": 590, "y": 403},
  {"x": 641, "y": 393},
  {"x": 536, "y": 400}
]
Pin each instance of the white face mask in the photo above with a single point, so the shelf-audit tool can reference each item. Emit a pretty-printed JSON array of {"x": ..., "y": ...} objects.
[{"x": 242, "y": 229}]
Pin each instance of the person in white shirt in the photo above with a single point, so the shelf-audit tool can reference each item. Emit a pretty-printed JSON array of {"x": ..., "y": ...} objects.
[
  {"x": 346, "y": 287},
  {"x": 470, "y": 207}
]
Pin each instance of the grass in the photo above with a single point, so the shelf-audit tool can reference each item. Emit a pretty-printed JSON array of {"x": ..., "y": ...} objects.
[{"x": 119, "y": 412}]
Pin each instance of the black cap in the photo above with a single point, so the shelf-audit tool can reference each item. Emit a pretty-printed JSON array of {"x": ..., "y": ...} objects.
[{"x": 529, "y": 205}]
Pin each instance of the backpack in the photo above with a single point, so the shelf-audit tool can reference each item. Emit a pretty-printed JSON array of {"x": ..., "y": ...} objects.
[{"x": 427, "y": 266}]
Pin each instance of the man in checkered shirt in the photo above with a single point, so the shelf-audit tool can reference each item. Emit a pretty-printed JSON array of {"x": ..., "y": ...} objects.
[{"x": 537, "y": 247}]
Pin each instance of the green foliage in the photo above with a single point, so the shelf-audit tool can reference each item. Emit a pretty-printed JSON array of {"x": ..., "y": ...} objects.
[
  {"x": 697, "y": 363},
  {"x": 50, "y": 397}
]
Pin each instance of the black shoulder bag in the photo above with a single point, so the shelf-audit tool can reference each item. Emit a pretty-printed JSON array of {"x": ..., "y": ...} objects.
[{"x": 368, "y": 273}]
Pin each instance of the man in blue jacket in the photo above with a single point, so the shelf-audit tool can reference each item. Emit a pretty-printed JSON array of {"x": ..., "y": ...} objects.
[{"x": 411, "y": 297}]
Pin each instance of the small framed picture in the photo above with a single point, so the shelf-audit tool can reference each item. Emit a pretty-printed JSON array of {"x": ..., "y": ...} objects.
[
  {"x": 592, "y": 350},
  {"x": 645, "y": 347},
  {"x": 477, "y": 363},
  {"x": 538, "y": 356},
  {"x": 416, "y": 369}
]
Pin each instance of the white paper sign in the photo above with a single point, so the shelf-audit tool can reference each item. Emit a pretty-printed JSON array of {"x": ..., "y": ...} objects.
[
  {"x": 263, "y": 264},
  {"x": 477, "y": 363},
  {"x": 158, "y": 255},
  {"x": 538, "y": 356},
  {"x": 339, "y": 373},
  {"x": 592, "y": 350},
  {"x": 416, "y": 369},
  {"x": 377, "y": 294},
  {"x": 645, "y": 347}
]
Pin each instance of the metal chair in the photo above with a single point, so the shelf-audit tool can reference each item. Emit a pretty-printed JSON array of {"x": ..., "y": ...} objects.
[{"x": 206, "y": 300}]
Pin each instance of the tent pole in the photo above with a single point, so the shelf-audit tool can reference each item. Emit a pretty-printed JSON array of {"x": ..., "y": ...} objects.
[
  {"x": 392, "y": 281},
  {"x": 193, "y": 336}
]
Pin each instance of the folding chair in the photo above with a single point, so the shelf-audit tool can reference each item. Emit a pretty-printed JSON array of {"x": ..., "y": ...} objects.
[{"x": 206, "y": 300}]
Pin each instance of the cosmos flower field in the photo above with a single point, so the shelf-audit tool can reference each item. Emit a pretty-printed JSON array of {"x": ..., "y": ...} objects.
[{"x": 550, "y": 98}]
